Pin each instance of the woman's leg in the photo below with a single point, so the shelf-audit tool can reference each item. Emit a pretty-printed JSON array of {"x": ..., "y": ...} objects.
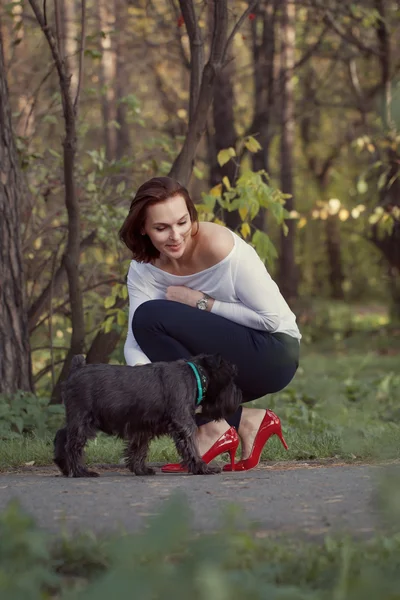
[{"x": 168, "y": 330}]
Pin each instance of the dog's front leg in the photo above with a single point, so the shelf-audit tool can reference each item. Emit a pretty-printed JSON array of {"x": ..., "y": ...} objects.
[
  {"x": 186, "y": 447},
  {"x": 136, "y": 453},
  {"x": 76, "y": 440},
  {"x": 60, "y": 455}
]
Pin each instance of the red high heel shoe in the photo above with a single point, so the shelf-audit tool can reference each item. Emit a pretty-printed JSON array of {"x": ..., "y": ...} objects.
[
  {"x": 228, "y": 442},
  {"x": 270, "y": 425}
]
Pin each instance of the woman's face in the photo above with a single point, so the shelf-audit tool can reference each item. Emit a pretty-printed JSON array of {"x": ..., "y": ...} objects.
[{"x": 168, "y": 226}]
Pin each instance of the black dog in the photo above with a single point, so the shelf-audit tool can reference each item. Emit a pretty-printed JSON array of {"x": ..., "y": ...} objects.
[{"x": 139, "y": 404}]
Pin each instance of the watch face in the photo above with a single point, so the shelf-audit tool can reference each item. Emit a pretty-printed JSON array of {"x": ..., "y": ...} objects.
[{"x": 202, "y": 304}]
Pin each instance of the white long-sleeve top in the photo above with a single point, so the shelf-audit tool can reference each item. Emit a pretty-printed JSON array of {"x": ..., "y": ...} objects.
[{"x": 243, "y": 290}]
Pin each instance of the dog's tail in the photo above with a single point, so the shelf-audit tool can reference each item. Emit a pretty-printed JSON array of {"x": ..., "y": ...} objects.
[{"x": 77, "y": 362}]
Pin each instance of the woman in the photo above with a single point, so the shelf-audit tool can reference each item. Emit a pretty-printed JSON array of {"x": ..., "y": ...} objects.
[{"x": 196, "y": 287}]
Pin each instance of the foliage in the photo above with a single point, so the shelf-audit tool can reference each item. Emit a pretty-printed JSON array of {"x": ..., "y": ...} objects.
[
  {"x": 26, "y": 569},
  {"x": 342, "y": 403},
  {"x": 250, "y": 193},
  {"x": 23, "y": 413},
  {"x": 167, "y": 560},
  {"x": 133, "y": 120}
]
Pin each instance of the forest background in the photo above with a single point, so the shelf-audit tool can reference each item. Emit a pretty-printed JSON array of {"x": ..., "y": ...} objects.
[{"x": 282, "y": 118}]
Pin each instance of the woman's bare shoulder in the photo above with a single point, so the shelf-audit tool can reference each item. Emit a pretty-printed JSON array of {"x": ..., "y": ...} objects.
[{"x": 216, "y": 240}]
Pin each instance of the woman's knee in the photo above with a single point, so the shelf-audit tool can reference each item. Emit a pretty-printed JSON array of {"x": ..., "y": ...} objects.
[
  {"x": 151, "y": 314},
  {"x": 145, "y": 315}
]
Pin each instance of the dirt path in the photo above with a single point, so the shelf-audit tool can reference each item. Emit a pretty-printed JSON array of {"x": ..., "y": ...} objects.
[{"x": 307, "y": 500}]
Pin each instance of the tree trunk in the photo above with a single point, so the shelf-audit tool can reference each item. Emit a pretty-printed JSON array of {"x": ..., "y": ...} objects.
[
  {"x": 15, "y": 358},
  {"x": 264, "y": 90},
  {"x": 183, "y": 164},
  {"x": 394, "y": 286},
  {"x": 220, "y": 43},
  {"x": 288, "y": 272},
  {"x": 71, "y": 256},
  {"x": 389, "y": 196},
  {"x": 223, "y": 124},
  {"x": 68, "y": 37},
  {"x": 264, "y": 86},
  {"x": 336, "y": 276},
  {"x": 122, "y": 134},
  {"x": 224, "y": 135},
  {"x": 107, "y": 78}
]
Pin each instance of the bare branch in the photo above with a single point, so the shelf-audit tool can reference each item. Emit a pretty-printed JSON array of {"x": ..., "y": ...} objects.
[
  {"x": 35, "y": 97},
  {"x": 36, "y": 309},
  {"x": 238, "y": 25},
  {"x": 348, "y": 36},
  {"x": 307, "y": 55},
  {"x": 196, "y": 52}
]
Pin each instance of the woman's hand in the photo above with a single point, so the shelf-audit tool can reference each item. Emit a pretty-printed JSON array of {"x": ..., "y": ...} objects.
[{"x": 183, "y": 294}]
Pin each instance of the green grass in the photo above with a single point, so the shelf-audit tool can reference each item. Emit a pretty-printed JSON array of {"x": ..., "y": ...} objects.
[{"x": 343, "y": 404}]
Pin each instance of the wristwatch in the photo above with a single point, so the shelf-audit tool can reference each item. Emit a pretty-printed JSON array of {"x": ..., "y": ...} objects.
[{"x": 203, "y": 302}]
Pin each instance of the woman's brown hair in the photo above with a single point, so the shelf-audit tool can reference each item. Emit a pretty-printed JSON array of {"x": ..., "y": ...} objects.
[{"x": 151, "y": 192}]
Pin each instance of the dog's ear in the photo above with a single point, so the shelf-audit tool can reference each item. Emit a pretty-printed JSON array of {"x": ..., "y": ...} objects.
[
  {"x": 223, "y": 403},
  {"x": 214, "y": 361}
]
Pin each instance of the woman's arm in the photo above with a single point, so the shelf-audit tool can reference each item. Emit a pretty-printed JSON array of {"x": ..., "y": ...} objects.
[
  {"x": 132, "y": 351},
  {"x": 260, "y": 302}
]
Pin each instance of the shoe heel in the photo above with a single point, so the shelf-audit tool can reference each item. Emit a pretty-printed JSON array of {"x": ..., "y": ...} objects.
[
  {"x": 280, "y": 436},
  {"x": 232, "y": 454}
]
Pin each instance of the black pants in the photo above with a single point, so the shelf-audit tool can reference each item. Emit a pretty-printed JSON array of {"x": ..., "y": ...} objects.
[{"x": 266, "y": 362}]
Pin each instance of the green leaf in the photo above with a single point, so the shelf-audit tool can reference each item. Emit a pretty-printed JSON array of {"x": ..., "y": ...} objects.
[
  {"x": 197, "y": 173},
  {"x": 245, "y": 230},
  {"x": 252, "y": 144},
  {"x": 109, "y": 301},
  {"x": 225, "y": 156},
  {"x": 264, "y": 247},
  {"x": 50, "y": 119},
  {"x": 54, "y": 153},
  {"x": 121, "y": 187},
  {"x": 93, "y": 53},
  {"x": 19, "y": 423},
  {"x": 362, "y": 186},
  {"x": 226, "y": 182},
  {"x": 121, "y": 318},
  {"x": 382, "y": 180},
  {"x": 107, "y": 325}
]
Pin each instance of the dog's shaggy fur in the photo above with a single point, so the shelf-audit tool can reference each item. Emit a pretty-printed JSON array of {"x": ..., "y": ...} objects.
[{"x": 139, "y": 404}]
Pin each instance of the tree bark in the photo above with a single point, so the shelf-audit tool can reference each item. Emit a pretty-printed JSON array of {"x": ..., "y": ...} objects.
[
  {"x": 288, "y": 272},
  {"x": 196, "y": 54},
  {"x": 264, "y": 81},
  {"x": 389, "y": 196},
  {"x": 70, "y": 258},
  {"x": 225, "y": 135},
  {"x": 183, "y": 164},
  {"x": 108, "y": 77},
  {"x": 122, "y": 134},
  {"x": 68, "y": 37},
  {"x": 264, "y": 85},
  {"x": 15, "y": 358},
  {"x": 333, "y": 248},
  {"x": 223, "y": 124}
]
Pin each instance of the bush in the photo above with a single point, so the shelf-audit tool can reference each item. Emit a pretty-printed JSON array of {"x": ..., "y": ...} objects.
[
  {"x": 23, "y": 413},
  {"x": 166, "y": 560}
]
